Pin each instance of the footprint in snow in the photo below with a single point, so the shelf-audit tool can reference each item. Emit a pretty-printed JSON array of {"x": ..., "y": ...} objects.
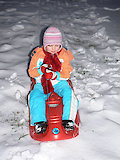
[
  {"x": 18, "y": 94},
  {"x": 13, "y": 76},
  {"x": 5, "y": 47},
  {"x": 11, "y": 9},
  {"x": 18, "y": 27}
]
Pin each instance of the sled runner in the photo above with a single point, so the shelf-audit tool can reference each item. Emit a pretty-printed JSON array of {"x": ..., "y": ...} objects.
[{"x": 55, "y": 129}]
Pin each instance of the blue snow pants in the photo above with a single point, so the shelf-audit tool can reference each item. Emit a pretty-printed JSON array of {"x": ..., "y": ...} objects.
[{"x": 38, "y": 107}]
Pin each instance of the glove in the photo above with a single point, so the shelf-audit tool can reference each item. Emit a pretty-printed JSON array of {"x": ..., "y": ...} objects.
[
  {"x": 49, "y": 74},
  {"x": 43, "y": 67}
]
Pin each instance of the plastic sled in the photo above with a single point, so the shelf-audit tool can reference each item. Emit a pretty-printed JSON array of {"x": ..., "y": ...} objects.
[{"x": 55, "y": 129}]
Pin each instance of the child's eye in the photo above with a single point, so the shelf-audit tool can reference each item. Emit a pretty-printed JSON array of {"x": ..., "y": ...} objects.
[{"x": 56, "y": 45}]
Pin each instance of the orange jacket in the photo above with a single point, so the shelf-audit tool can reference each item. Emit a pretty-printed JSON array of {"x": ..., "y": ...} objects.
[{"x": 65, "y": 57}]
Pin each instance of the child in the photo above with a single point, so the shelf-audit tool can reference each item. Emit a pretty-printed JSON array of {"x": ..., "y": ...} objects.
[{"x": 50, "y": 67}]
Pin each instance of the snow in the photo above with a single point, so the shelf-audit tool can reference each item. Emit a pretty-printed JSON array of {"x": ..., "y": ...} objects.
[{"x": 91, "y": 31}]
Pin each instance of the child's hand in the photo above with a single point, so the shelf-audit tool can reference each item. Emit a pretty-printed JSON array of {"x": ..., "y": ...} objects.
[
  {"x": 50, "y": 74},
  {"x": 43, "y": 67}
]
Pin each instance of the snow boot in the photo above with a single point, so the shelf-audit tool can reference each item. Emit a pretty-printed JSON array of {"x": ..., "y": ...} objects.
[
  {"x": 68, "y": 125},
  {"x": 40, "y": 127}
]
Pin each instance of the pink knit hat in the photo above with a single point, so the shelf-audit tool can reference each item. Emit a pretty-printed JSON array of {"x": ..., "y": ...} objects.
[{"x": 52, "y": 36}]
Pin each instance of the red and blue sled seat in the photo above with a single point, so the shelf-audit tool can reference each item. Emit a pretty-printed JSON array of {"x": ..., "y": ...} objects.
[{"x": 55, "y": 129}]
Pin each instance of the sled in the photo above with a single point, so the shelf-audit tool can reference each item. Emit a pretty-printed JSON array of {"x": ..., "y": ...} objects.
[{"x": 55, "y": 130}]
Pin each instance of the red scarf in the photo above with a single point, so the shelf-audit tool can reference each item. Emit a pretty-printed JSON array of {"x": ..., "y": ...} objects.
[{"x": 54, "y": 63}]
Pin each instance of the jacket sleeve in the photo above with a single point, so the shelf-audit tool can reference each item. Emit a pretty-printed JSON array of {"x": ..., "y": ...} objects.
[
  {"x": 70, "y": 55},
  {"x": 66, "y": 69},
  {"x": 34, "y": 67}
]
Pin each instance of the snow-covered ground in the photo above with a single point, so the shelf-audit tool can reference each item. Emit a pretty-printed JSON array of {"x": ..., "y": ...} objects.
[{"x": 89, "y": 31}]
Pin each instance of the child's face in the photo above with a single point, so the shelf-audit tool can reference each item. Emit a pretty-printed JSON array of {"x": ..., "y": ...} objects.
[{"x": 52, "y": 48}]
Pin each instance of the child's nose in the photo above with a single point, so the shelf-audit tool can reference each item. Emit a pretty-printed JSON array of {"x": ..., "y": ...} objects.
[{"x": 53, "y": 47}]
